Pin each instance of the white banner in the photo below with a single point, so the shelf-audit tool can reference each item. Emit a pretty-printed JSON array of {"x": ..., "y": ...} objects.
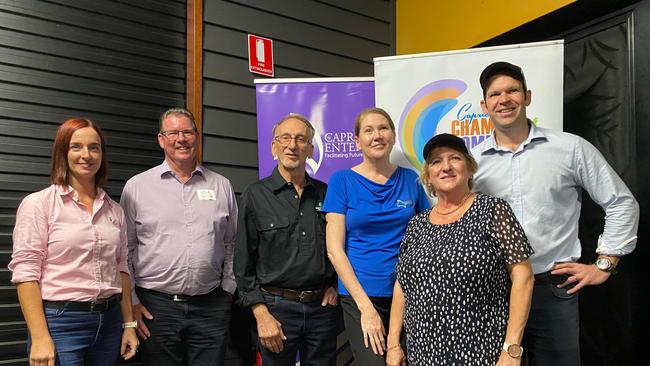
[{"x": 433, "y": 93}]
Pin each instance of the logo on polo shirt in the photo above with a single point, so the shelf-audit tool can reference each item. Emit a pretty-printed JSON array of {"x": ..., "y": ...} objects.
[{"x": 405, "y": 203}]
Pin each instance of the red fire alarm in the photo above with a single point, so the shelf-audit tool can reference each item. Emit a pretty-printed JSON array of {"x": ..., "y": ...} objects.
[{"x": 260, "y": 55}]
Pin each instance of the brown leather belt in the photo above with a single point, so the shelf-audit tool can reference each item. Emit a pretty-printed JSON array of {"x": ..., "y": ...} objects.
[{"x": 302, "y": 296}]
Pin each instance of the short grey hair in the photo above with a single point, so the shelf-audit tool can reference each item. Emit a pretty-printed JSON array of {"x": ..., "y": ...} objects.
[
  {"x": 310, "y": 129},
  {"x": 175, "y": 111}
]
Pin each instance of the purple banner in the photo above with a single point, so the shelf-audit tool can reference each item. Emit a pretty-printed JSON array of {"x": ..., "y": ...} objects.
[{"x": 330, "y": 106}]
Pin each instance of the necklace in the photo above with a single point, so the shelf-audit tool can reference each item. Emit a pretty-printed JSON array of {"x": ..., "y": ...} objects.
[{"x": 455, "y": 209}]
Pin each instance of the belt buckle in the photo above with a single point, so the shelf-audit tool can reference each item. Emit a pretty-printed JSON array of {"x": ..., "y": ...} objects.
[
  {"x": 178, "y": 298},
  {"x": 304, "y": 294},
  {"x": 95, "y": 305}
]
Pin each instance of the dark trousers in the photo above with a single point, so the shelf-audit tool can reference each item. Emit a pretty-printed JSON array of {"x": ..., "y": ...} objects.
[
  {"x": 352, "y": 317},
  {"x": 192, "y": 332},
  {"x": 553, "y": 331},
  {"x": 310, "y": 328}
]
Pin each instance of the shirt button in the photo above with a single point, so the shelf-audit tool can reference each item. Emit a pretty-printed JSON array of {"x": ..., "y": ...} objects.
[
  {"x": 301, "y": 214},
  {"x": 271, "y": 225},
  {"x": 295, "y": 196},
  {"x": 303, "y": 233}
]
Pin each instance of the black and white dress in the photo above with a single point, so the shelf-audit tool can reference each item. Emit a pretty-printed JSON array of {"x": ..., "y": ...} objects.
[{"x": 456, "y": 284}]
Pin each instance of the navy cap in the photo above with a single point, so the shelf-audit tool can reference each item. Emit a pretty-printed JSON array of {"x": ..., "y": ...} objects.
[
  {"x": 501, "y": 68},
  {"x": 446, "y": 140}
]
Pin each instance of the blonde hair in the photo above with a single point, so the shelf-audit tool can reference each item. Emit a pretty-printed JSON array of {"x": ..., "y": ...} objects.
[{"x": 472, "y": 168}]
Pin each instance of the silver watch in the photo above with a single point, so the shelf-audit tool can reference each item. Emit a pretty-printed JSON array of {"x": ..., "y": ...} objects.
[{"x": 604, "y": 264}]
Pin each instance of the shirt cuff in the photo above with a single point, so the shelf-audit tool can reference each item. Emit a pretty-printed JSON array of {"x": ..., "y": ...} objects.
[
  {"x": 25, "y": 272},
  {"x": 228, "y": 285},
  {"x": 623, "y": 248},
  {"x": 251, "y": 298}
]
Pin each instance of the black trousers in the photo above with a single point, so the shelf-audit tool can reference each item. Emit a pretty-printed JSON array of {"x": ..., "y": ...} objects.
[
  {"x": 352, "y": 318},
  {"x": 192, "y": 332},
  {"x": 552, "y": 335}
]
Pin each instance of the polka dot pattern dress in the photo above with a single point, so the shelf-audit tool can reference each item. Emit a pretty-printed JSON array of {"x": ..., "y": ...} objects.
[{"x": 456, "y": 284}]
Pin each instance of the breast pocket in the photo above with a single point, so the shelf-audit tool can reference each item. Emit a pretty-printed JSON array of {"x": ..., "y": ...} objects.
[{"x": 273, "y": 231}]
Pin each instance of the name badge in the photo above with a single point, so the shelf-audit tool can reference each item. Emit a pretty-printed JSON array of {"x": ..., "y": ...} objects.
[{"x": 206, "y": 195}]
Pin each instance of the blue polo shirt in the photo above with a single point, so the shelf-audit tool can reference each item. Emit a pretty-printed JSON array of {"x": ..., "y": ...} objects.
[{"x": 376, "y": 216}]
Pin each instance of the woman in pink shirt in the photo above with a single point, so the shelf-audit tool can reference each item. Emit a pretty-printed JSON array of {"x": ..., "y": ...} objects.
[{"x": 69, "y": 259}]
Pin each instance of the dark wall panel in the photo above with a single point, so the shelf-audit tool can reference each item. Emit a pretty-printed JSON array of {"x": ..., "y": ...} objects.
[
  {"x": 120, "y": 63},
  {"x": 310, "y": 39}
]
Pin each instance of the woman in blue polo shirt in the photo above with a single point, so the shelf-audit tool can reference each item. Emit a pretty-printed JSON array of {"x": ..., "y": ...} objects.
[{"x": 368, "y": 208}]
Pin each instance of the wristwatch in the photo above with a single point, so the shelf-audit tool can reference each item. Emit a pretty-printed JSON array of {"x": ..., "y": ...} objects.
[
  {"x": 604, "y": 264},
  {"x": 513, "y": 350},
  {"x": 132, "y": 324}
]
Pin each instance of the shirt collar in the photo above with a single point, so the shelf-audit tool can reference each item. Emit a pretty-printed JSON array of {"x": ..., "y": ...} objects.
[
  {"x": 534, "y": 133},
  {"x": 277, "y": 181},
  {"x": 69, "y": 191},
  {"x": 166, "y": 169}
]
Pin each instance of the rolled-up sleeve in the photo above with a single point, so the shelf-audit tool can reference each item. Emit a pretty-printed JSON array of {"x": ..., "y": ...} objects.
[
  {"x": 607, "y": 189},
  {"x": 30, "y": 239}
]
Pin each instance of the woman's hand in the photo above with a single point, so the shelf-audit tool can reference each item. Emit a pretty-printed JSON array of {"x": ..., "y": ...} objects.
[
  {"x": 506, "y": 360},
  {"x": 373, "y": 330},
  {"x": 42, "y": 352},
  {"x": 395, "y": 356},
  {"x": 129, "y": 344}
]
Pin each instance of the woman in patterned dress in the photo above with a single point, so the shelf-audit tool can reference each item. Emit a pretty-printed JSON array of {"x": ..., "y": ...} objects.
[{"x": 464, "y": 280}]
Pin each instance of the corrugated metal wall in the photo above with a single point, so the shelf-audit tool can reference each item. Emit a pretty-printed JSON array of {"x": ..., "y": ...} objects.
[
  {"x": 310, "y": 39},
  {"x": 118, "y": 62}
]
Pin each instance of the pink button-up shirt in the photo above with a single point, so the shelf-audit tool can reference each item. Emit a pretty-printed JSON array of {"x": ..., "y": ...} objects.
[{"x": 73, "y": 254}]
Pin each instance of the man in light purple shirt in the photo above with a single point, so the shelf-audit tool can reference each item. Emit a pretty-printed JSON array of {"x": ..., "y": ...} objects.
[{"x": 181, "y": 221}]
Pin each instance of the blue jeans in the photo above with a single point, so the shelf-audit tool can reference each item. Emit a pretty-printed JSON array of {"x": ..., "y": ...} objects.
[
  {"x": 552, "y": 334},
  {"x": 84, "y": 338},
  {"x": 310, "y": 328}
]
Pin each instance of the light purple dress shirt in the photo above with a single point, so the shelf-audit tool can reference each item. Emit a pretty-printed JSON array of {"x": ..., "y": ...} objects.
[{"x": 180, "y": 236}]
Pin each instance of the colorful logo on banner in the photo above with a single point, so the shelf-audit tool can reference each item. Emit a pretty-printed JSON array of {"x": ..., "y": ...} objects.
[{"x": 426, "y": 111}]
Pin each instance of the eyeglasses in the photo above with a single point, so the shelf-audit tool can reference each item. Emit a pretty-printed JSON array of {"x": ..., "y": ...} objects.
[
  {"x": 285, "y": 140},
  {"x": 174, "y": 134}
]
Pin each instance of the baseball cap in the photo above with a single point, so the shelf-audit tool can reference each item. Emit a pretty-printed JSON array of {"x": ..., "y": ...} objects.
[
  {"x": 501, "y": 68},
  {"x": 446, "y": 140}
]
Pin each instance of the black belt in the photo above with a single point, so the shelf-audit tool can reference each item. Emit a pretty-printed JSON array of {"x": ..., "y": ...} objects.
[
  {"x": 97, "y": 306},
  {"x": 547, "y": 278},
  {"x": 297, "y": 295},
  {"x": 180, "y": 297}
]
